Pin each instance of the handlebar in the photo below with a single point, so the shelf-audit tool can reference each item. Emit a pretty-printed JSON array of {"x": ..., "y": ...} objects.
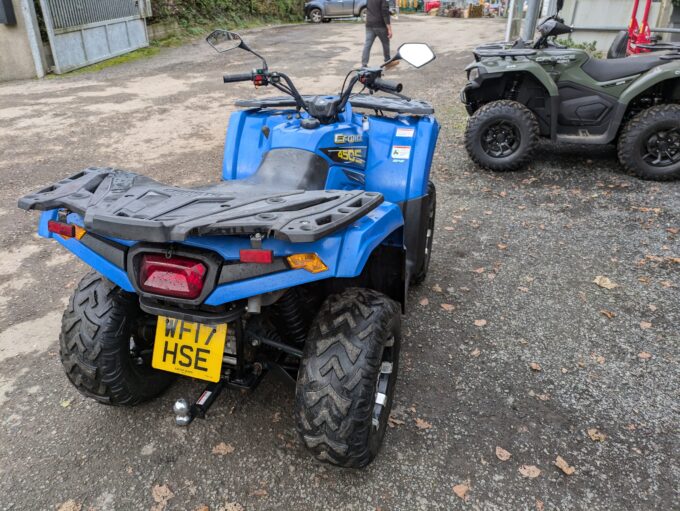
[
  {"x": 387, "y": 85},
  {"x": 370, "y": 78},
  {"x": 240, "y": 77}
]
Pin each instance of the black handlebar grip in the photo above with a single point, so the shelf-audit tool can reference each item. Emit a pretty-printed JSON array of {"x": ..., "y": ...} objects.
[
  {"x": 387, "y": 86},
  {"x": 241, "y": 77}
]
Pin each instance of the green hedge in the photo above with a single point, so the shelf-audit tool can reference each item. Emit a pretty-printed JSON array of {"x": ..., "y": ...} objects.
[{"x": 192, "y": 11}]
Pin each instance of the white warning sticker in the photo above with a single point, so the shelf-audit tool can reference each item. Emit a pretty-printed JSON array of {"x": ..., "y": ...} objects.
[
  {"x": 405, "y": 132},
  {"x": 401, "y": 152}
]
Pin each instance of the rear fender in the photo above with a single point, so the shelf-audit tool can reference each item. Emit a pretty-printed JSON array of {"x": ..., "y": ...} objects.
[
  {"x": 345, "y": 253},
  {"x": 313, "y": 5},
  {"x": 670, "y": 71},
  {"x": 113, "y": 272}
]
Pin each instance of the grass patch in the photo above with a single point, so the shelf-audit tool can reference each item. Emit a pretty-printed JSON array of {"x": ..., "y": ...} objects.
[{"x": 139, "y": 54}]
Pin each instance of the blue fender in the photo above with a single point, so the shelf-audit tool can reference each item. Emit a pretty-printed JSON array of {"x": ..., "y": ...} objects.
[
  {"x": 112, "y": 272},
  {"x": 345, "y": 253}
]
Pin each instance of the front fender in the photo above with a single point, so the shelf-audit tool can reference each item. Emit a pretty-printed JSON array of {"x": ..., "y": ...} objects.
[{"x": 496, "y": 68}]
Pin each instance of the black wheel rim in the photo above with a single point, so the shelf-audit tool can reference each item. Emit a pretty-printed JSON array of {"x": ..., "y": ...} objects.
[
  {"x": 501, "y": 139},
  {"x": 384, "y": 384},
  {"x": 662, "y": 148}
]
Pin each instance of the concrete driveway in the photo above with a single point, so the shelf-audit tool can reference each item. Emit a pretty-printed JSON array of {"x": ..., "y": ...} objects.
[{"x": 509, "y": 343}]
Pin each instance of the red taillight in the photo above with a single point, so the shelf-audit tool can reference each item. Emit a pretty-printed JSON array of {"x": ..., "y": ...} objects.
[
  {"x": 171, "y": 276},
  {"x": 253, "y": 255},
  {"x": 67, "y": 230}
]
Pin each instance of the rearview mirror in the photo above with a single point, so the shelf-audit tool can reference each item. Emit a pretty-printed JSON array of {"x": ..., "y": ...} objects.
[
  {"x": 223, "y": 40},
  {"x": 416, "y": 54}
]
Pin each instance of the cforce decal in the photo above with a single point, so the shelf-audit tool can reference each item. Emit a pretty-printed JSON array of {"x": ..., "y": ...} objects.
[{"x": 342, "y": 138}]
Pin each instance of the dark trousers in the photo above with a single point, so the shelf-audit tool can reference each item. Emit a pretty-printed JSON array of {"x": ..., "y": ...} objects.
[{"x": 371, "y": 34}]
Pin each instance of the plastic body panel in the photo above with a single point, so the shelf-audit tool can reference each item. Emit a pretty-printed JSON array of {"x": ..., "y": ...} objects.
[
  {"x": 399, "y": 176},
  {"x": 345, "y": 253},
  {"x": 670, "y": 71}
]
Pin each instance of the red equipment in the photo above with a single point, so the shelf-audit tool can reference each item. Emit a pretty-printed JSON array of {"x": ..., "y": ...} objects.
[
  {"x": 639, "y": 33},
  {"x": 434, "y": 4}
]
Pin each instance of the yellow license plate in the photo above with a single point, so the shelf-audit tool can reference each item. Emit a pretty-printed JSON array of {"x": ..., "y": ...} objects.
[{"x": 189, "y": 349}]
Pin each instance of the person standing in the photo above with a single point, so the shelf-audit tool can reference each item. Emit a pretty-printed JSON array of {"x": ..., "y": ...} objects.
[{"x": 377, "y": 25}]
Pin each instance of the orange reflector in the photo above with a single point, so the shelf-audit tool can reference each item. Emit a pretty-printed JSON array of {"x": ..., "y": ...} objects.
[
  {"x": 310, "y": 262},
  {"x": 80, "y": 232}
]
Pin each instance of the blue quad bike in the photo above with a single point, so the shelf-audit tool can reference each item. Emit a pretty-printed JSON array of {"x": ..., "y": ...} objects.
[{"x": 298, "y": 261}]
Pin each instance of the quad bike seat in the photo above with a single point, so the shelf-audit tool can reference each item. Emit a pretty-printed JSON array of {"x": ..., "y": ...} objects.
[
  {"x": 612, "y": 69},
  {"x": 283, "y": 169}
]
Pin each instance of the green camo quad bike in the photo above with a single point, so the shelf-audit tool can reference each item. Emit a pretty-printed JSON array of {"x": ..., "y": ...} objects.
[{"x": 521, "y": 92}]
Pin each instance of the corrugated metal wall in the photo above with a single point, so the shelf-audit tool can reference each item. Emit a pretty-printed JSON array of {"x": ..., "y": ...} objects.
[{"x": 74, "y": 13}]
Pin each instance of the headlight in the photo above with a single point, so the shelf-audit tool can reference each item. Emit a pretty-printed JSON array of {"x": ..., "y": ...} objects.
[{"x": 473, "y": 74}]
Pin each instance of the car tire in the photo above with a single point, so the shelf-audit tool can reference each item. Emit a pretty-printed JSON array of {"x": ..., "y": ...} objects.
[
  {"x": 315, "y": 15},
  {"x": 95, "y": 345},
  {"x": 649, "y": 145},
  {"x": 502, "y": 136},
  {"x": 347, "y": 377},
  {"x": 421, "y": 274},
  {"x": 362, "y": 14}
]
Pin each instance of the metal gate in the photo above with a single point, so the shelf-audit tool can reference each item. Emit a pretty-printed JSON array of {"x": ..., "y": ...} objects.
[{"x": 82, "y": 32}]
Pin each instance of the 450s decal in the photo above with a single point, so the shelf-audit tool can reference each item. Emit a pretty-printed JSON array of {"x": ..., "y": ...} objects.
[{"x": 355, "y": 155}]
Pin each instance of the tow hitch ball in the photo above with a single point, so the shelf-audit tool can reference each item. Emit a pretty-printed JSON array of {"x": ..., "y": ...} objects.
[{"x": 184, "y": 413}]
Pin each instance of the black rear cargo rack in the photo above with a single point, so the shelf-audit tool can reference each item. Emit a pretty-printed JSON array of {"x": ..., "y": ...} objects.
[{"x": 130, "y": 206}]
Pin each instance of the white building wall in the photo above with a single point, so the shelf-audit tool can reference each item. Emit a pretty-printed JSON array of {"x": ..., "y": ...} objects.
[{"x": 598, "y": 13}]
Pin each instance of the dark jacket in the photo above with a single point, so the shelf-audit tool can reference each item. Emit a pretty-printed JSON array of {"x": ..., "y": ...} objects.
[{"x": 377, "y": 14}]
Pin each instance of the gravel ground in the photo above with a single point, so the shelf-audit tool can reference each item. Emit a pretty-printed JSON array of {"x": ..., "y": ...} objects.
[{"x": 511, "y": 288}]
